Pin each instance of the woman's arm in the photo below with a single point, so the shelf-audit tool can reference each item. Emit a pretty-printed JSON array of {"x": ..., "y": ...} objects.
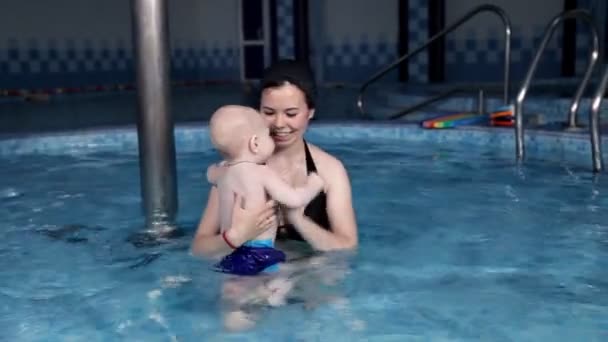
[
  {"x": 343, "y": 233},
  {"x": 208, "y": 241},
  {"x": 246, "y": 224}
]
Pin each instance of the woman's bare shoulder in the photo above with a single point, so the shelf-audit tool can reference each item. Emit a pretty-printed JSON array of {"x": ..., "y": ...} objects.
[{"x": 325, "y": 161}]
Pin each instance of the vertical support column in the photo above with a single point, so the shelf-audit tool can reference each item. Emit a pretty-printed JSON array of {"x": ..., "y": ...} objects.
[
  {"x": 154, "y": 120},
  {"x": 437, "y": 49},
  {"x": 403, "y": 37},
  {"x": 418, "y": 34},
  {"x": 318, "y": 30},
  {"x": 300, "y": 18},
  {"x": 274, "y": 39},
  {"x": 569, "y": 42}
]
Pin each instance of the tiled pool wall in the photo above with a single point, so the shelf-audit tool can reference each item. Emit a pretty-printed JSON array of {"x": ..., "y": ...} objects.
[
  {"x": 549, "y": 102},
  {"x": 567, "y": 147},
  {"x": 46, "y": 53},
  {"x": 334, "y": 102},
  {"x": 337, "y": 118}
]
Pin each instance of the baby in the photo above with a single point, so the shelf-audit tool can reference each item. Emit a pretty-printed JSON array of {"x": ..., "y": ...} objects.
[{"x": 243, "y": 139}]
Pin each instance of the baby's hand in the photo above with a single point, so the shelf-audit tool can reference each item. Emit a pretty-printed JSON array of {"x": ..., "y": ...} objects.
[
  {"x": 316, "y": 180},
  {"x": 214, "y": 172}
]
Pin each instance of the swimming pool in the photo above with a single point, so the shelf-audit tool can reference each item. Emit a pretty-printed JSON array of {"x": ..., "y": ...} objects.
[{"x": 457, "y": 242}]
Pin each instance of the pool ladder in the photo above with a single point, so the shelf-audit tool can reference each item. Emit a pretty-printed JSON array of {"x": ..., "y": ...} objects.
[
  {"x": 594, "y": 123},
  {"x": 479, "y": 9},
  {"x": 594, "y": 129},
  {"x": 571, "y": 125}
]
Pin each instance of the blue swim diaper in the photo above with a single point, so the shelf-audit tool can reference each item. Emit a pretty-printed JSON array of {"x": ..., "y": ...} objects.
[{"x": 253, "y": 257}]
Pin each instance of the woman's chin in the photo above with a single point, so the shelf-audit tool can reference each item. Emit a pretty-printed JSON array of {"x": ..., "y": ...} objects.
[{"x": 283, "y": 140}]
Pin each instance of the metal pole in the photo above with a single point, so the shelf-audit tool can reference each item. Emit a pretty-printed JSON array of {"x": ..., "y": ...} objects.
[
  {"x": 594, "y": 124},
  {"x": 154, "y": 120},
  {"x": 593, "y": 58}
]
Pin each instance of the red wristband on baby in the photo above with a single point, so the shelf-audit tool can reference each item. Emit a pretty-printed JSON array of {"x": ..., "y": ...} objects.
[{"x": 227, "y": 241}]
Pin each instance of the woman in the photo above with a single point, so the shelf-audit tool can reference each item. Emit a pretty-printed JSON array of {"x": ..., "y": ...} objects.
[{"x": 327, "y": 223}]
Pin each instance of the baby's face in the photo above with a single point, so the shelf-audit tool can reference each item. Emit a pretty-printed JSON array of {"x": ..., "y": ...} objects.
[{"x": 265, "y": 144}]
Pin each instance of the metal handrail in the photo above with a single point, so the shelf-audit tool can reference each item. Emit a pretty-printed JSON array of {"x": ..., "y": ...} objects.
[
  {"x": 573, "y": 14},
  {"x": 594, "y": 123},
  {"x": 483, "y": 8}
]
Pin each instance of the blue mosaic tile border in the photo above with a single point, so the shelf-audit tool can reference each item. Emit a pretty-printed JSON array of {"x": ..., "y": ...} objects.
[
  {"x": 484, "y": 58},
  {"x": 46, "y": 64},
  {"x": 541, "y": 144},
  {"x": 358, "y": 60},
  {"x": 205, "y": 63},
  {"x": 285, "y": 31},
  {"x": 418, "y": 34}
]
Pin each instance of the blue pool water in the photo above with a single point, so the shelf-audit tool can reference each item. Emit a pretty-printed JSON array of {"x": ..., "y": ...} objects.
[{"x": 456, "y": 243}]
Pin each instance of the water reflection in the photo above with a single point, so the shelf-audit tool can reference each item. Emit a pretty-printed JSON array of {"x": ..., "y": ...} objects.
[{"x": 307, "y": 279}]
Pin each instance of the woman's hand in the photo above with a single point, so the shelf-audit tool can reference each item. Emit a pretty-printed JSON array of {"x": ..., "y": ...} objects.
[{"x": 247, "y": 223}]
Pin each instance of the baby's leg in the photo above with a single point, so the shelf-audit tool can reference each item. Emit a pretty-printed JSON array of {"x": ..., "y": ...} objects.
[
  {"x": 313, "y": 279},
  {"x": 260, "y": 290},
  {"x": 243, "y": 296},
  {"x": 239, "y": 313},
  {"x": 277, "y": 289},
  {"x": 235, "y": 295},
  {"x": 238, "y": 320},
  {"x": 241, "y": 290}
]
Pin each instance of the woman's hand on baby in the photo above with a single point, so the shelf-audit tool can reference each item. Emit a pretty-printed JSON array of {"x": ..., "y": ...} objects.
[{"x": 249, "y": 222}]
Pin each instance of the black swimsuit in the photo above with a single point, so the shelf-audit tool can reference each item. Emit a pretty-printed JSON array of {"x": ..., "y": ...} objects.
[{"x": 316, "y": 210}]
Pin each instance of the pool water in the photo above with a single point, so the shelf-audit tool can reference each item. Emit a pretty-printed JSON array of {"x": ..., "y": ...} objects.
[{"x": 455, "y": 244}]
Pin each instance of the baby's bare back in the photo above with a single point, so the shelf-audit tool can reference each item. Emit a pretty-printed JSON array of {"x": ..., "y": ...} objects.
[{"x": 246, "y": 180}]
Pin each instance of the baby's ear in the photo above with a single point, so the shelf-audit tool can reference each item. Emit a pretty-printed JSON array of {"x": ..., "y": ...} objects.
[{"x": 253, "y": 144}]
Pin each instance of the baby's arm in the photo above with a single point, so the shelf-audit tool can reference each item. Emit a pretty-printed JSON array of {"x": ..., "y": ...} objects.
[{"x": 288, "y": 195}]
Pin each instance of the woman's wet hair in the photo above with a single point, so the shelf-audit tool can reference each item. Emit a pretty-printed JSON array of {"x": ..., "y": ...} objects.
[{"x": 294, "y": 72}]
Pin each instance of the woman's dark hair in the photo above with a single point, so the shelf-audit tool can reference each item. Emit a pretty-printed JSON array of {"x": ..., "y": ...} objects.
[{"x": 290, "y": 71}]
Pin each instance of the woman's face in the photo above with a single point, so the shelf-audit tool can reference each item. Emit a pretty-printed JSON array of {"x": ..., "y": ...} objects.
[{"x": 285, "y": 111}]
